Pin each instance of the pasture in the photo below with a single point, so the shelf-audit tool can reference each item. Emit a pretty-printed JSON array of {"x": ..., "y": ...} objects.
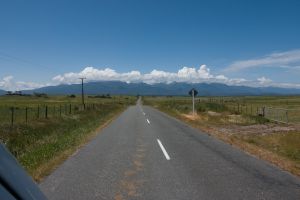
[
  {"x": 265, "y": 126},
  {"x": 43, "y": 131}
]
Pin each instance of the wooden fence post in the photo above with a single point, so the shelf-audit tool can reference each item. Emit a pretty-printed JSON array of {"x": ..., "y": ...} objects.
[
  {"x": 12, "y": 115},
  {"x": 46, "y": 112},
  {"x": 26, "y": 115}
]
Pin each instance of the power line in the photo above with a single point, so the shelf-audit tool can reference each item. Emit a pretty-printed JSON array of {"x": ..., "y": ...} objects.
[{"x": 6, "y": 57}]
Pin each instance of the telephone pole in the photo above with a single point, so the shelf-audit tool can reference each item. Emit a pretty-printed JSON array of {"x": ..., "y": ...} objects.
[{"x": 82, "y": 92}]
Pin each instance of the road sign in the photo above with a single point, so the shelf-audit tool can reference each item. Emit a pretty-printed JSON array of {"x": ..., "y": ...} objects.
[{"x": 191, "y": 92}]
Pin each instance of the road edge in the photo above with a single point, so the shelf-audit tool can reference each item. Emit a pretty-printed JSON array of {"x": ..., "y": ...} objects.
[
  {"x": 255, "y": 151},
  {"x": 47, "y": 168}
]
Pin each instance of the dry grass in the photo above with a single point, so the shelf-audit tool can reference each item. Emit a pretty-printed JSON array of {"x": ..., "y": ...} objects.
[
  {"x": 277, "y": 143},
  {"x": 262, "y": 151}
]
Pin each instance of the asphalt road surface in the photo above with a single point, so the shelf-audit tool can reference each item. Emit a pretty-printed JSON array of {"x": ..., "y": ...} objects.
[{"x": 145, "y": 154}]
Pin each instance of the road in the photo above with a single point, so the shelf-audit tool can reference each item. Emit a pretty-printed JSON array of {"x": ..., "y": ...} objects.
[{"x": 145, "y": 154}]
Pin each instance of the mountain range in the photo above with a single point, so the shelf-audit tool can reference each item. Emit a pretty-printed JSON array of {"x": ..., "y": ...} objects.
[
  {"x": 2, "y": 92},
  {"x": 123, "y": 88}
]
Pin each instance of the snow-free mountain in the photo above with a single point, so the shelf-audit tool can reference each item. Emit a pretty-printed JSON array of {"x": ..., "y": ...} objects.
[
  {"x": 2, "y": 92},
  {"x": 123, "y": 88}
]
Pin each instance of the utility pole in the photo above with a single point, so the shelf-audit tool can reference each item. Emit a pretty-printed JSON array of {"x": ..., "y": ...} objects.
[{"x": 82, "y": 92}]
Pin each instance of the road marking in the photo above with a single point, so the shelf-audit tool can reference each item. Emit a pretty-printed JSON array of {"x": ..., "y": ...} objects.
[
  {"x": 144, "y": 113},
  {"x": 163, "y": 150},
  {"x": 148, "y": 121}
]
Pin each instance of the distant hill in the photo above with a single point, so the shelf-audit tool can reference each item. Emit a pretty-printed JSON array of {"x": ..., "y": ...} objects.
[
  {"x": 2, "y": 92},
  {"x": 122, "y": 88}
]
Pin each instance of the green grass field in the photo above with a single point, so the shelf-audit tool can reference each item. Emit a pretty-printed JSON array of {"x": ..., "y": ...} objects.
[
  {"x": 42, "y": 143},
  {"x": 231, "y": 119},
  {"x": 281, "y": 108},
  {"x": 56, "y": 106}
]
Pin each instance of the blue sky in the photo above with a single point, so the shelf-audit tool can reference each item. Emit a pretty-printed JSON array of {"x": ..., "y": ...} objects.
[{"x": 253, "y": 43}]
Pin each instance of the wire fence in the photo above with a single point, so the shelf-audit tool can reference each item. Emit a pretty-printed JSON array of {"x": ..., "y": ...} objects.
[
  {"x": 278, "y": 114},
  {"x": 23, "y": 115},
  {"x": 281, "y": 114}
]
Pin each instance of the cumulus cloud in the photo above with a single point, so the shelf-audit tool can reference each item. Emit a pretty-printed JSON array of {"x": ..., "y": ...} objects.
[
  {"x": 264, "y": 81},
  {"x": 185, "y": 74},
  {"x": 94, "y": 74},
  {"x": 282, "y": 59},
  {"x": 8, "y": 83}
]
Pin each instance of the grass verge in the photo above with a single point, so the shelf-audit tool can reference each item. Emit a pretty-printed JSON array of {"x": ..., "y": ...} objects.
[
  {"x": 282, "y": 148},
  {"x": 46, "y": 143}
]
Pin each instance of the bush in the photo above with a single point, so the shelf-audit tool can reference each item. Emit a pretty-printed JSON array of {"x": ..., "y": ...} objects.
[
  {"x": 259, "y": 119},
  {"x": 216, "y": 107},
  {"x": 40, "y": 95}
]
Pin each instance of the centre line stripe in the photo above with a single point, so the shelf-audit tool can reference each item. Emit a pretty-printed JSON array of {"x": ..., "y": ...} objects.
[
  {"x": 148, "y": 121},
  {"x": 163, "y": 150}
]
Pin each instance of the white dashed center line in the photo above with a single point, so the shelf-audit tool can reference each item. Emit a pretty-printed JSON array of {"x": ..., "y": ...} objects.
[
  {"x": 148, "y": 121},
  {"x": 163, "y": 150}
]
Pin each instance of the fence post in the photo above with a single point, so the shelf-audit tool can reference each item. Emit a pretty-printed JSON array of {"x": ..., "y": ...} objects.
[
  {"x": 12, "y": 115},
  {"x": 26, "y": 115},
  {"x": 287, "y": 116},
  {"x": 38, "y": 111},
  {"x": 46, "y": 112},
  {"x": 70, "y": 112},
  {"x": 60, "y": 110}
]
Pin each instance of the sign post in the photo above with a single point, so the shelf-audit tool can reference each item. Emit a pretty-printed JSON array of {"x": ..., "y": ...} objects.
[{"x": 193, "y": 92}]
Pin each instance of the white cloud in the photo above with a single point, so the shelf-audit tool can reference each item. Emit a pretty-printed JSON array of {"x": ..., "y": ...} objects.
[
  {"x": 8, "y": 83},
  {"x": 186, "y": 74},
  {"x": 94, "y": 74},
  {"x": 264, "y": 81},
  {"x": 221, "y": 77},
  {"x": 282, "y": 59}
]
